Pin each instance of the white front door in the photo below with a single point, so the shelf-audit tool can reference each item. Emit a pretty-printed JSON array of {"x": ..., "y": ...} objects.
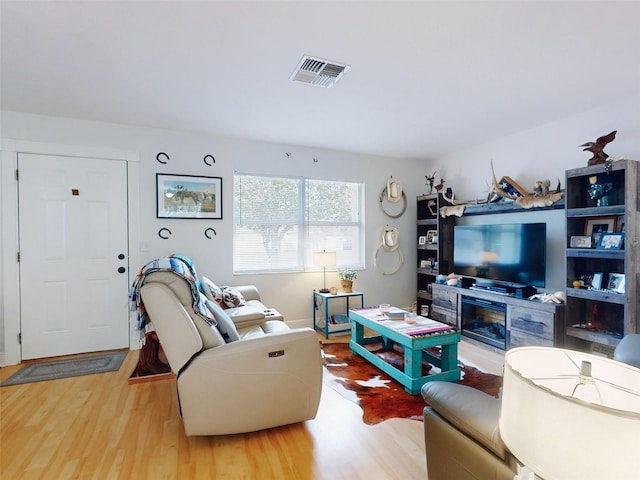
[{"x": 73, "y": 255}]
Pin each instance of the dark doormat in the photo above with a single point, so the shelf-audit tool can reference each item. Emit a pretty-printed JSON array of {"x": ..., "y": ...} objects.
[{"x": 70, "y": 367}]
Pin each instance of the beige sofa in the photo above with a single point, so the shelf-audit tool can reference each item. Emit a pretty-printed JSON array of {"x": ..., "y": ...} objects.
[{"x": 264, "y": 375}]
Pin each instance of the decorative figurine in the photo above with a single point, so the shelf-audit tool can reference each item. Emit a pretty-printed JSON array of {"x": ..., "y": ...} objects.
[
  {"x": 599, "y": 191},
  {"x": 430, "y": 181},
  {"x": 597, "y": 148}
]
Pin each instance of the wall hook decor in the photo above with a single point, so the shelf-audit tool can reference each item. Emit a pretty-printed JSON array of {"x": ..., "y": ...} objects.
[
  {"x": 164, "y": 233},
  {"x": 315, "y": 160},
  {"x": 162, "y": 154},
  {"x": 287, "y": 154},
  {"x": 211, "y": 158},
  {"x": 207, "y": 232}
]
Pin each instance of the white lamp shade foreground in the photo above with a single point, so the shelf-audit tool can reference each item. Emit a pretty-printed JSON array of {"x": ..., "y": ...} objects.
[
  {"x": 564, "y": 425},
  {"x": 324, "y": 260}
]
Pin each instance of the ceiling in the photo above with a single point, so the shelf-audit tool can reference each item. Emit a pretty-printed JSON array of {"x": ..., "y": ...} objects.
[{"x": 425, "y": 77}]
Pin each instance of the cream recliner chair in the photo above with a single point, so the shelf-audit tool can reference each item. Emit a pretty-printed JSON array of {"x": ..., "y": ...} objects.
[
  {"x": 269, "y": 376},
  {"x": 462, "y": 437}
]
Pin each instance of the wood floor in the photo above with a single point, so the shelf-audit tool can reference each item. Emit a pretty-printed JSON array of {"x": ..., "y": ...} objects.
[{"x": 98, "y": 426}]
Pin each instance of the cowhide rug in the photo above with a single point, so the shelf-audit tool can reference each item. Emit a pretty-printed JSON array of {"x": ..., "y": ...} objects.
[{"x": 379, "y": 396}]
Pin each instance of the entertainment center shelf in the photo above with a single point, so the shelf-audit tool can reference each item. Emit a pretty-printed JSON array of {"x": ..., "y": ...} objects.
[
  {"x": 599, "y": 296},
  {"x": 514, "y": 321},
  {"x": 507, "y": 207},
  {"x": 434, "y": 247},
  {"x": 602, "y": 201},
  {"x": 601, "y": 250}
]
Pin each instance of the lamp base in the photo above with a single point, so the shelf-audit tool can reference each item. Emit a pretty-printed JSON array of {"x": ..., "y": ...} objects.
[{"x": 324, "y": 290}]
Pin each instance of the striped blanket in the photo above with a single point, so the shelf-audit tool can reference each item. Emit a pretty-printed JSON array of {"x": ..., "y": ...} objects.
[{"x": 181, "y": 266}]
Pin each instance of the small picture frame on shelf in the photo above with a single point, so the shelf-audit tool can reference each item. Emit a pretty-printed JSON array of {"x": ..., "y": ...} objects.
[
  {"x": 596, "y": 280},
  {"x": 424, "y": 310},
  {"x": 596, "y": 226},
  {"x": 616, "y": 282},
  {"x": 586, "y": 280},
  {"x": 580, "y": 241},
  {"x": 620, "y": 224},
  {"x": 432, "y": 236},
  {"x": 422, "y": 240},
  {"x": 425, "y": 264},
  {"x": 610, "y": 241}
]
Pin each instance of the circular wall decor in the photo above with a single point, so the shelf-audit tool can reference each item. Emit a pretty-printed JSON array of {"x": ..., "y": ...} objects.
[
  {"x": 393, "y": 269},
  {"x": 383, "y": 199},
  {"x": 162, "y": 155}
]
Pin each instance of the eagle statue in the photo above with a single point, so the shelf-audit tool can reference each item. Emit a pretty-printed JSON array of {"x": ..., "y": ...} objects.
[{"x": 597, "y": 148}]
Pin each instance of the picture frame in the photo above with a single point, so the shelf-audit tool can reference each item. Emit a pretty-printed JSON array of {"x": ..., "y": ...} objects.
[
  {"x": 422, "y": 240},
  {"x": 610, "y": 241},
  {"x": 425, "y": 264},
  {"x": 432, "y": 236},
  {"x": 581, "y": 241},
  {"x": 586, "y": 279},
  {"x": 188, "y": 196},
  {"x": 616, "y": 282},
  {"x": 596, "y": 280},
  {"x": 595, "y": 226},
  {"x": 510, "y": 187},
  {"x": 620, "y": 224}
]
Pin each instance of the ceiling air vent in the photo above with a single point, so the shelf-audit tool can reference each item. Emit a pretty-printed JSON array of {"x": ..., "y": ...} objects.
[{"x": 317, "y": 71}]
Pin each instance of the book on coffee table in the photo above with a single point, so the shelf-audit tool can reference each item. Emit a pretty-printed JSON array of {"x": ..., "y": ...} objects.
[{"x": 396, "y": 314}]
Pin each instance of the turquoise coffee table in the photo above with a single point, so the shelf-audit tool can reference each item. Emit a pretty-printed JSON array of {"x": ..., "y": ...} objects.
[{"x": 414, "y": 339}]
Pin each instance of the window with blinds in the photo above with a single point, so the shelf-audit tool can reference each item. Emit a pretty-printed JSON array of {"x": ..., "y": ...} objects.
[{"x": 280, "y": 221}]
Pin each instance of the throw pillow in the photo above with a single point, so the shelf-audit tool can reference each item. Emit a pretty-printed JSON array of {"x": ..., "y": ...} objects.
[
  {"x": 226, "y": 327},
  {"x": 232, "y": 297}
]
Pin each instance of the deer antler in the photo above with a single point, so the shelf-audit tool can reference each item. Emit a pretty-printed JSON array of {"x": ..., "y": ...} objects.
[{"x": 451, "y": 199}]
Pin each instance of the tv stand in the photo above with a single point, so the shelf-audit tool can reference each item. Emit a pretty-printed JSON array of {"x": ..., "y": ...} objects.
[{"x": 520, "y": 321}]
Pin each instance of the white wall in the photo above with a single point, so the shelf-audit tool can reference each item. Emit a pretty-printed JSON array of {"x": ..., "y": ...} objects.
[
  {"x": 289, "y": 293},
  {"x": 543, "y": 152}
]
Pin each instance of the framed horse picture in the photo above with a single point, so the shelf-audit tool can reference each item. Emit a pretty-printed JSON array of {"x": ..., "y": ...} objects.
[{"x": 188, "y": 196}]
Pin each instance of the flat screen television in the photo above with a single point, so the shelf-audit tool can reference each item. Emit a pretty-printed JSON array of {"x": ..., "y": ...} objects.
[{"x": 511, "y": 254}]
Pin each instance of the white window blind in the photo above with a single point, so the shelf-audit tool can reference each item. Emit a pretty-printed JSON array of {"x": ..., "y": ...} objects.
[{"x": 280, "y": 221}]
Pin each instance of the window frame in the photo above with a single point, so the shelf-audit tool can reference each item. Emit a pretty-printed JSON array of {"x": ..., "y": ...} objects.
[{"x": 304, "y": 225}]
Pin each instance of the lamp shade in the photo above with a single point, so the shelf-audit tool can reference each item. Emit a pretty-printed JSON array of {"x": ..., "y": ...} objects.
[
  {"x": 324, "y": 259},
  {"x": 571, "y": 415}
]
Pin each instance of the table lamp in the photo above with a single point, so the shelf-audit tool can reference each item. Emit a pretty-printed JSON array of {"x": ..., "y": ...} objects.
[
  {"x": 571, "y": 415},
  {"x": 324, "y": 259}
]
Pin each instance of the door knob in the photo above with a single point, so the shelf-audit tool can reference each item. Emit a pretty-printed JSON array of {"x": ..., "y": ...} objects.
[
  {"x": 121, "y": 256},
  {"x": 122, "y": 270}
]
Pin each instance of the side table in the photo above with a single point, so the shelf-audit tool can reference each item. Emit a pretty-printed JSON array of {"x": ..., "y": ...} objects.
[{"x": 322, "y": 300}]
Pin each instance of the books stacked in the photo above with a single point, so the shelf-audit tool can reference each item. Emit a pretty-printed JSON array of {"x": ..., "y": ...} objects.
[{"x": 396, "y": 314}]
